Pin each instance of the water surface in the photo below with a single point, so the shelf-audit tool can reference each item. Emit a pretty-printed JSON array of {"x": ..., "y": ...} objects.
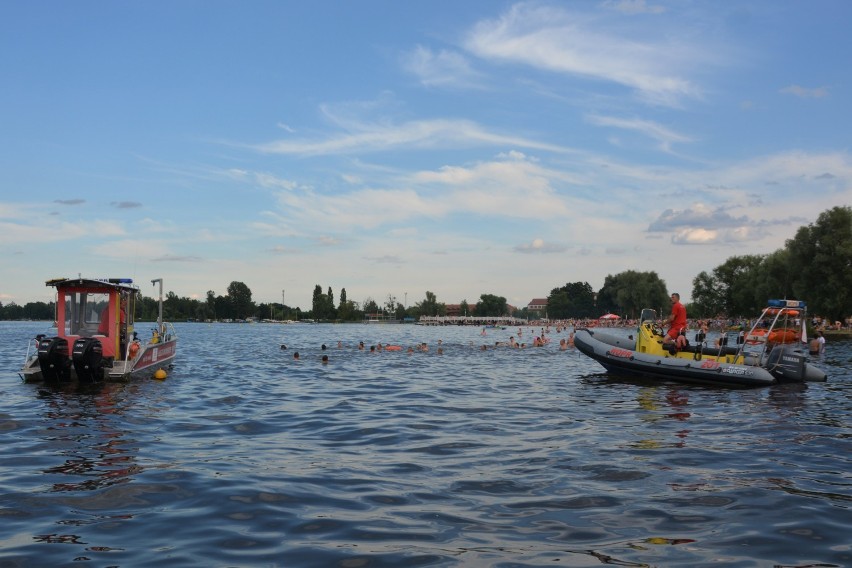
[{"x": 535, "y": 457}]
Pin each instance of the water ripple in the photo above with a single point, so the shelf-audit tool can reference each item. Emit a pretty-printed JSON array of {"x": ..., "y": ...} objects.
[{"x": 533, "y": 457}]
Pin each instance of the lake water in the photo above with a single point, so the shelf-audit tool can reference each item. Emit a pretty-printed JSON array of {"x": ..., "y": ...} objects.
[{"x": 534, "y": 457}]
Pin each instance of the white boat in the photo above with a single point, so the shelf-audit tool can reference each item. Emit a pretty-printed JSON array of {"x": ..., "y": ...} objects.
[{"x": 96, "y": 339}]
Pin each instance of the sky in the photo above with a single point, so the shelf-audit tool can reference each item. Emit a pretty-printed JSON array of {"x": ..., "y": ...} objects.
[{"x": 393, "y": 148}]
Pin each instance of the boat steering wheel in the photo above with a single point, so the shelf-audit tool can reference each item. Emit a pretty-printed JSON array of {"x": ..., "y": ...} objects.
[{"x": 657, "y": 330}]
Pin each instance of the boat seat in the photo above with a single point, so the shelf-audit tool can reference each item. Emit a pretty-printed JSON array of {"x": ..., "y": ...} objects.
[{"x": 711, "y": 351}]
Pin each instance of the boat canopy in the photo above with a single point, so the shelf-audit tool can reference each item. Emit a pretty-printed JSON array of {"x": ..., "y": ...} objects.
[{"x": 117, "y": 283}]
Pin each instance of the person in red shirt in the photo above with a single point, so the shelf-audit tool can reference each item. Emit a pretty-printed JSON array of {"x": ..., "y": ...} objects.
[{"x": 677, "y": 323}]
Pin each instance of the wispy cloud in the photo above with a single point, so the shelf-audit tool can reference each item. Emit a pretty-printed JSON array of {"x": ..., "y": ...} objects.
[
  {"x": 442, "y": 69},
  {"x": 804, "y": 92},
  {"x": 69, "y": 201},
  {"x": 437, "y": 134},
  {"x": 561, "y": 41},
  {"x": 664, "y": 136}
]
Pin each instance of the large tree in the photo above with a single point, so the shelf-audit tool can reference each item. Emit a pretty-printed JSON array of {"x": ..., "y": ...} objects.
[
  {"x": 574, "y": 300},
  {"x": 430, "y": 306},
  {"x": 629, "y": 292},
  {"x": 707, "y": 296},
  {"x": 211, "y": 305},
  {"x": 821, "y": 253},
  {"x": 491, "y": 305},
  {"x": 239, "y": 296}
]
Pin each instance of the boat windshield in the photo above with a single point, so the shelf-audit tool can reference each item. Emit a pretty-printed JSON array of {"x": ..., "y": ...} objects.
[
  {"x": 648, "y": 315},
  {"x": 84, "y": 312}
]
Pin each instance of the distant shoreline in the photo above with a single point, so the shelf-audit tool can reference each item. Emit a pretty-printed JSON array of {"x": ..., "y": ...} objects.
[{"x": 838, "y": 333}]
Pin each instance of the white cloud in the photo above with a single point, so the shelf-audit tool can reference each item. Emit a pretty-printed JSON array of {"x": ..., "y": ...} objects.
[
  {"x": 560, "y": 41},
  {"x": 438, "y": 134}
]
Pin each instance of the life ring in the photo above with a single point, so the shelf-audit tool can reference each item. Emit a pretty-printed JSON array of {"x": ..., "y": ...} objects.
[
  {"x": 756, "y": 336},
  {"x": 782, "y": 335},
  {"x": 782, "y": 311}
]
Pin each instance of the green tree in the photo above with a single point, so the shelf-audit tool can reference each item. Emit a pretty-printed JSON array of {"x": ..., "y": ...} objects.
[
  {"x": 370, "y": 306},
  {"x": 13, "y": 311},
  {"x": 239, "y": 296},
  {"x": 707, "y": 296},
  {"x": 735, "y": 279},
  {"x": 330, "y": 312},
  {"x": 211, "y": 304},
  {"x": 224, "y": 308},
  {"x": 574, "y": 300},
  {"x": 318, "y": 303},
  {"x": 39, "y": 311},
  {"x": 430, "y": 306},
  {"x": 491, "y": 305},
  {"x": 347, "y": 310},
  {"x": 822, "y": 254},
  {"x": 630, "y": 291},
  {"x": 464, "y": 308},
  {"x": 774, "y": 276},
  {"x": 399, "y": 311},
  {"x": 390, "y": 304}
]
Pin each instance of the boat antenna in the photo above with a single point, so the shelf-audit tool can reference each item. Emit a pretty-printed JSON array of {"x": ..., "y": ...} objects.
[{"x": 160, "y": 317}]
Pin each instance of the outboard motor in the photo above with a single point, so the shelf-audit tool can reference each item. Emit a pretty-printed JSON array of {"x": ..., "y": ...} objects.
[
  {"x": 88, "y": 357},
  {"x": 53, "y": 359},
  {"x": 786, "y": 363}
]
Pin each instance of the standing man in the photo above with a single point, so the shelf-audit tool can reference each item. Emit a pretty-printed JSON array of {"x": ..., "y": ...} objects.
[
  {"x": 817, "y": 344},
  {"x": 677, "y": 323}
]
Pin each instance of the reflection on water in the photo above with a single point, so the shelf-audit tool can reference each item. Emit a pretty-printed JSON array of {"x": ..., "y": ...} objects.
[
  {"x": 495, "y": 457},
  {"x": 96, "y": 453}
]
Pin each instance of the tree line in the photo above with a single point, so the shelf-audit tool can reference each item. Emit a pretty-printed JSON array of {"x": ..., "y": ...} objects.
[{"x": 815, "y": 266}]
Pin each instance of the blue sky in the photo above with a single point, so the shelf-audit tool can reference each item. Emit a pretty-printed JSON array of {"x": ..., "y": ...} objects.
[{"x": 391, "y": 148}]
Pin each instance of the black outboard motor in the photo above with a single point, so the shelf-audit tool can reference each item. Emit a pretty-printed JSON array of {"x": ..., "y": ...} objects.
[
  {"x": 786, "y": 363},
  {"x": 53, "y": 359},
  {"x": 88, "y": 357}
]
